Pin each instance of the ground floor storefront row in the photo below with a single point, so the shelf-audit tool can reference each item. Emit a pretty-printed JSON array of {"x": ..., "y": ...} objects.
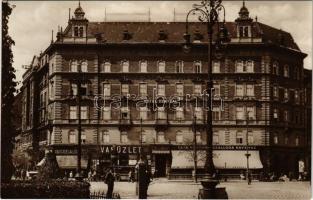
[{"x": 178, "y": 161}]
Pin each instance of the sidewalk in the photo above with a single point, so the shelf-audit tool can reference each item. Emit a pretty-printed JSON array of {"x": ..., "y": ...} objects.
[{"x": 164, "y": 189}]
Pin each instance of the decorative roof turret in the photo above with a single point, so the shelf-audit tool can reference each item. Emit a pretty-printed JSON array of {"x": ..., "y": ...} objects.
[
  {"x": 79, "y": 12},
  {"x": 243, "y": 14}
]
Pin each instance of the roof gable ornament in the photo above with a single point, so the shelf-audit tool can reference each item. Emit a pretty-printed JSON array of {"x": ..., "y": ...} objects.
[
  {"x": 243, "y": 14},
  {"x": 79, "y": 12}
]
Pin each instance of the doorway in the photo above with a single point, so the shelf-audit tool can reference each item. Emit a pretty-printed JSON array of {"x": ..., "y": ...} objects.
[{"x": 160, "y": 165}]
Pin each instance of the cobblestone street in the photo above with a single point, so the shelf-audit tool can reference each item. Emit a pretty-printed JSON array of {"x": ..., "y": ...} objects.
[{"x": 164, "y": 189}]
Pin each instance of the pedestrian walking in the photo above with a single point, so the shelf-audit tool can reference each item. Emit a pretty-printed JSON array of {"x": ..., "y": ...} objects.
[
  {"x": 23, "y": 174},
  {"x": 131, "y": 176},
  {"x": 147, "y": 181},
  {"x": 109, "y": 180}
]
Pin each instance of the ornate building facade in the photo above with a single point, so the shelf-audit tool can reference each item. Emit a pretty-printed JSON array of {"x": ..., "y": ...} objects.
[{"x": 143, "y": 94}]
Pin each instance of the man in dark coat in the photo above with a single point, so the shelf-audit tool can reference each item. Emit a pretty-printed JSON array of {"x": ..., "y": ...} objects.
[{"x": 109, "y": 180}]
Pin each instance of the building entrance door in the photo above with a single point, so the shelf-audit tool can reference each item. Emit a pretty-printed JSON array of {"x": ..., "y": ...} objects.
[{"x": 160, "y": 165}]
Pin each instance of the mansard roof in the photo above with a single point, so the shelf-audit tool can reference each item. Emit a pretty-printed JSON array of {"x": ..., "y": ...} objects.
[{"x": 148, "y": 32}]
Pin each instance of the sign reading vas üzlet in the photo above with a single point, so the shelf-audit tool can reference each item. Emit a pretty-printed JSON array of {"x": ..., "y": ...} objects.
[{"x": 120, "y": 149}]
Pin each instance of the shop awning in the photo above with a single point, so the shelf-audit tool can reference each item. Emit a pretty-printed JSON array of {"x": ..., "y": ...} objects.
[
  {"x": 236, "y": 160},
  {"x": 222, "y": 159},
  {"x": 41, "y": 162},
  {"x": 70, "y": 162},
  {"x": 184, "y": 159}
]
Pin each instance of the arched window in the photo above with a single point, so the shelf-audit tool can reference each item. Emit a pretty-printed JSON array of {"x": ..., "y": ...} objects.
[
  {"x": 239, "y": 66},
  {"x": 250, "y": 66},
  {"x": 216, "y": 68},
  {"x": 275, "y": 68},
  {"x": 124, "y": 137},
  {"x": 179, "y": 66},
  {"x": 106, "y": 66},
  {"x": 84, "y": 66},
  {"x": 286, "y": 71},
  {"x": 275, "y": 139},
  {"x": 125, "y": 66},
  {"x": 197, "y": 67},
  {"x": 161, "y": 66},
  {"x": 143, "y": 66},
  {"x": 160, "y": 137},
  {"x": 73, "y": 66}
]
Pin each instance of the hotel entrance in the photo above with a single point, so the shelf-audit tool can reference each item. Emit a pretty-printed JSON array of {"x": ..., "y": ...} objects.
[{"x": 160, "y": 165}]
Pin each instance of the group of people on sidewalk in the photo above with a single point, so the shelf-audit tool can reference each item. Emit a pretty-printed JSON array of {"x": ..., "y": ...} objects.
[{"x": 144, "y": 179}]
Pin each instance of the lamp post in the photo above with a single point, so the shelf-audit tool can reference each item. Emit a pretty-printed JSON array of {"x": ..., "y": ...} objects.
[
  {"x": 208, "y": 12},
  {"x": 247, "y": 153},
  {"x": 79, "y": 80},
  {"x": 195, "y": 157}
]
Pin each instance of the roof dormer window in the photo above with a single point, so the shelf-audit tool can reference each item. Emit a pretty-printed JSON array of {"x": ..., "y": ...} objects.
[
  {"x": 78, "y": 31},
  {"x": 244, "y": 31}
]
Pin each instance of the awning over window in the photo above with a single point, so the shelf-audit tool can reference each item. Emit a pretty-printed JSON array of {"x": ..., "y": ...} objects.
[
  {"x": 70, "y": 162},
  {"x": 222, "y": 159},
  {"x": 236, "y": 160},
  {"x": 184, "y": 159}
]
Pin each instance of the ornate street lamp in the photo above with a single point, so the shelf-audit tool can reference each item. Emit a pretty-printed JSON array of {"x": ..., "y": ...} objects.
[{"x": 208, "y": 12}]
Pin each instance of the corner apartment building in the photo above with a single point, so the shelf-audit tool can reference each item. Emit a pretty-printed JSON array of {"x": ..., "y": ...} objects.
[{"x": 136, "y": 69}]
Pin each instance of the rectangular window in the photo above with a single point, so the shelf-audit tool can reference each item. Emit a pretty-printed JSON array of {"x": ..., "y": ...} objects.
[
  {"x": 179, "y": 67},
  {"x": 161, "y": 66},
  {"x": 197, "y": 89},
  {"x": 73, "y": 66},
  {"x": 286, "y": 71},
  {"x": 107, "y": 67},
  {"x": 106, "y": 113},
  {"x": 215, "y": 138},
  {"x": 125, "y": 113},
  {"x": 275, "y": 113},
  {"x": 275, "y": 68},
  {"x": 83, "y": 137},
  {"x": 73, "y": 89},
  {"x": 84, "y": 112},
  {"x": 239, "y": 90},
  {"x": 179, "y": 137},
  {"x": 76, "y": 31},
  {"x": 286, "y": 94},
  {"x": 179, "y": 89},
  {"x": 161, "y": 89},
  {"x": 143, "y": 137},
  {"x": 275, "y": 139},
  {"x": 160, "y": 137},
  {"x": 105, "y": 137},
  {"x": 250, "y": 138},
  {"x": 72, "y": 137},
  {"x": 216, "y": 113},
  {"x": 275, "y": 91},
  {"x": 286, "y": 116},
  {"x": 161, "y": 113},
  {"x": 83, "y": 89},
  {"x": 251, "y": 113},
  {"x": 125, "y": 89},
  {"x": 124, "y": 137},
  {"x": 216, "y": 91},
  {"x": 73, "y": 112},
  {"x": 199, "y": 113},
  {"x": 143, "y": 113},
  {"x": 143, "y": 66},
  {"x": 84, "y": 66},
  {"x": 239, "y": 113},
  {"x": 239, "y": 137},
  {"x": 143, "y": 89},
  {"x": 106, "y": 90},
  {"x": 198, "y": 137},
  {"x": 179, "y": 113},
  {"x": 216, "y": 67},
  {"x": 125, "y": 66},
  {"x": 197, "y": 67},
  {"x": 239, "y": 66},
  {"x": 249, "y": 66},
  {"x": 296, "y": 96},
  {"x": 250, "y": 90}
]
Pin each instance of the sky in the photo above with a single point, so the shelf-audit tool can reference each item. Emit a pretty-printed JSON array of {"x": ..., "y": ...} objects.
[{"x": 31, "y": 22}]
